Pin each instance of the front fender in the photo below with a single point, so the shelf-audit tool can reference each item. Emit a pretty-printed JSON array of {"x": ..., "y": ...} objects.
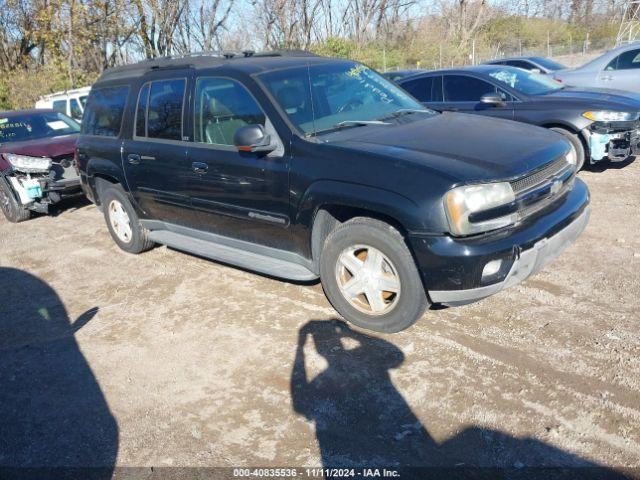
[{"x": 405, "y": 211}]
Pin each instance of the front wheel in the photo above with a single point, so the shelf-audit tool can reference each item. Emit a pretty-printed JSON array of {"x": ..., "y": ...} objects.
[
  {"x": 370, "y": 276},
  {"x": 12, "y": 210}
]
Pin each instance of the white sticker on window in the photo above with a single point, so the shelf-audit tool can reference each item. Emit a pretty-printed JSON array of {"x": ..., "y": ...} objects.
[
  {"x": 57, "y": 125},
  {"x": 3, "y": 120}
]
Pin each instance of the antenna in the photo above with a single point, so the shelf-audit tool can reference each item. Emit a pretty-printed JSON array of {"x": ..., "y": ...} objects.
[{"x": 630, "y": 24}]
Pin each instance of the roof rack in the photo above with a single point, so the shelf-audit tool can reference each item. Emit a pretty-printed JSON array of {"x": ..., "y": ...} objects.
[{"x": 216, "y": 57}]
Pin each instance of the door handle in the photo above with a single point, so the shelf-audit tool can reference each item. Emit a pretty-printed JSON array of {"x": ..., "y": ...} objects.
[
  {"x": 607, "y": 78},
  {"x": 199, "y": 167},
  {"x": 133, "y": 159}
]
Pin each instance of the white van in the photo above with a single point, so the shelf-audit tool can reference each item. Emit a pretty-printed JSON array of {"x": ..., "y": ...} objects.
[{"x": 69, "y": 102}]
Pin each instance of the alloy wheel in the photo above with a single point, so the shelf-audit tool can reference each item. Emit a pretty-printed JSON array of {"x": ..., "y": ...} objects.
[
  {"x": 120, "y": 221},
  {"x": 368, "y": 280}
]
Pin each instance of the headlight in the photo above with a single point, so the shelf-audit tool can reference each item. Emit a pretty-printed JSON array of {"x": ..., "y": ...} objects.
[
  {"x": 572, "y": 156},
  {"x": 609, "y": 116},
  {"x": 463, "y": 202},
  {"x": 28, "y": 164}
]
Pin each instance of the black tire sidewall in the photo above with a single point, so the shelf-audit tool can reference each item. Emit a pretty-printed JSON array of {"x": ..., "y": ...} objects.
[
  {"x": 412, "y": 301},
  {"x": 136, "y": 245},
  {"x": 15, "y": 212}
]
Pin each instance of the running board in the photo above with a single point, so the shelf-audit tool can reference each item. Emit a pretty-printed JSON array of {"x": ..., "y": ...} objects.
[{"x": 256, "y": 262}]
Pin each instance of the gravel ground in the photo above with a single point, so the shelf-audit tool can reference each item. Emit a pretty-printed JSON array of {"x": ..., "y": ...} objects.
[{"x": 166, "y": 359}]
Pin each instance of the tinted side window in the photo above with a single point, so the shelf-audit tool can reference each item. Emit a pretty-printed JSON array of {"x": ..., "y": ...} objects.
[
  {"x": 164, "y": 113},
  {"x": 425, "y": 89},
  {"x": 420, "y": 88},
  {"x": 103, "y": 113},
  {"x": 60, "y": 106},
  {"x": 222, "y": 107},
  {"x": 626, "y": 61},
  {"x": 458, "y": 88}
]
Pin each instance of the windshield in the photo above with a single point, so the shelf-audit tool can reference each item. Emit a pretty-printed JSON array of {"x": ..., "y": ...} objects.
[
  {"x": 318, "y": 98},
  {"x": 32, "y": 126},
  {"x": 526, "y": 82},
  {"x": 549, "y": 64}
]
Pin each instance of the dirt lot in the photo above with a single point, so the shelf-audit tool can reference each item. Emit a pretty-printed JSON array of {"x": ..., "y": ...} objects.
[{"x": 165, "y": 359}]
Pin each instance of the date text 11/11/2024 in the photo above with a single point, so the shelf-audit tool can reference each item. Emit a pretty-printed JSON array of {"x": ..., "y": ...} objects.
[{"x": 315, "y": 472}]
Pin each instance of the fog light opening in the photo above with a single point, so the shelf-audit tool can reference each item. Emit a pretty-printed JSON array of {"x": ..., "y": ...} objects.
[{"x": 491, "y": 268}]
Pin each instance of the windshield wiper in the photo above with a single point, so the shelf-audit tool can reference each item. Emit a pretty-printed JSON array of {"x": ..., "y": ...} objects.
[
  {"x": 357, "y": 123},
  {"x": 405, "y": 111},
  {"x": 349, "y": 123}
]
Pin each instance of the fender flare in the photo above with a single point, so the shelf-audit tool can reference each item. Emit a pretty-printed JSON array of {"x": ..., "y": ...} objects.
[{"x": 346, "y": 194}]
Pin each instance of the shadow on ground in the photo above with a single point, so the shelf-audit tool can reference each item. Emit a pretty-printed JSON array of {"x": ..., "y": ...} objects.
[
  {"x": 362, "y": 420},
  {"x": 607, "y": 165},
  {"x": 52, "y": 411}
]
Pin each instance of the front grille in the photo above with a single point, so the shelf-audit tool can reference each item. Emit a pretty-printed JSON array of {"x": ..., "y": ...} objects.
[{"x": 540, "y": 176}]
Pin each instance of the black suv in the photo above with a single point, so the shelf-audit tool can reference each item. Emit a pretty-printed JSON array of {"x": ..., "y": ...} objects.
[{"x": 299, "y": 167}]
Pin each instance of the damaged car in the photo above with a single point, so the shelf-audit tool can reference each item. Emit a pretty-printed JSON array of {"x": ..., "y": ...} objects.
[
  {"x": 602, "y": 125},
  {"x": 37, "y": 167}
]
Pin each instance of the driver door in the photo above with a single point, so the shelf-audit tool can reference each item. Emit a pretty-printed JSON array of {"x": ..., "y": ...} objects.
[
  {"x": 623, "y": 72},
  {"x": 462, "y": 93}
]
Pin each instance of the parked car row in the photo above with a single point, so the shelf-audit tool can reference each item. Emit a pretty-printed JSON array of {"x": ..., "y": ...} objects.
[
  {"x": 602, "y": 125},
  {"x": 304, "y": 167}
]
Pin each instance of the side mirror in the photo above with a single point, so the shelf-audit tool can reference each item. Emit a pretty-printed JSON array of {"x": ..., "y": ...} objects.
[
  {"x": 252, "y": 138},
  {"x": 492, "y": 99}
]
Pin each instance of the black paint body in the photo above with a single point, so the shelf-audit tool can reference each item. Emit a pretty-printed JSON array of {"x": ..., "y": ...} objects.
[{"x": 398, "y": 172}]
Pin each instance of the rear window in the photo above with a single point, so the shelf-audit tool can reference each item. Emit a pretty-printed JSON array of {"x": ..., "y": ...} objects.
[{"x": 103, "y": 113}]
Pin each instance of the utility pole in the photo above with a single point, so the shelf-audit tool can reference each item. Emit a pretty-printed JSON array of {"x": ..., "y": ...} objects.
[{"x": 629, "y": 30}]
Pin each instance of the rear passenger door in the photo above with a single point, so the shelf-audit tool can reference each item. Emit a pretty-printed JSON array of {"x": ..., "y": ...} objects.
[
  {"x": 240, "y": 195},
  {"x": 154, "y": 155},
  {"x": 463, "y": 93}
]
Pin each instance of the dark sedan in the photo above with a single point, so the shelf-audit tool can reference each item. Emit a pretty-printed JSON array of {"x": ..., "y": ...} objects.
[
  {"x": 533, "y": 64},
  {"x": 36, "y": 161},
  {"x": 601, "y": 124}
]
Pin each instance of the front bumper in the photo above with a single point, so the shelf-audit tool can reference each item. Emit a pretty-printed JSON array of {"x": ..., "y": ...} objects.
[
  {"x": 614, "y": 141},
  {"x": 453, "y": 269},
  {"x": 529, "y": 262}
]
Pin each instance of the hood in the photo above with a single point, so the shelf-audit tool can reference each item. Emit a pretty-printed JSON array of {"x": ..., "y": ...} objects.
[
  {"x": 461, "y": 147},
  {"x": 597, "y": 97},
  {"x": 51, "y": 147}
]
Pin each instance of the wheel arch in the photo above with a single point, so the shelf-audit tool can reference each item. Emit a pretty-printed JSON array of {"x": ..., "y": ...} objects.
[{"x": 572, "y": 129}]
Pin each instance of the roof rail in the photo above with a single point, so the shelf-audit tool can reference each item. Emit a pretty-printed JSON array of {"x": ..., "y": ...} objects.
[{"x": 193, "y": 58}]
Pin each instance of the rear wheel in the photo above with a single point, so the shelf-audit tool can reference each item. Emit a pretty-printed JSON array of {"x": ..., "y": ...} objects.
[
  {"x": 122, "y": 221},
  {"x": 370, "y": 277},
  {"x": 12, "y": 210},
  {"x": 577, "y": 145}
]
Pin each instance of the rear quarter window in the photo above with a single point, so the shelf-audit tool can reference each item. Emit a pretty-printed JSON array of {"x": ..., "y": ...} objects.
[{"x": 104, "y": 111}]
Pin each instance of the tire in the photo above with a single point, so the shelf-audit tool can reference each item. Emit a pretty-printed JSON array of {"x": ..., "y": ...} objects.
[
  {"x": 577, "y": 144},
  {"x": 355, "y": 239},
  {"x": 13, "y": 211},
  {"x": 120, "y": 214}
]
